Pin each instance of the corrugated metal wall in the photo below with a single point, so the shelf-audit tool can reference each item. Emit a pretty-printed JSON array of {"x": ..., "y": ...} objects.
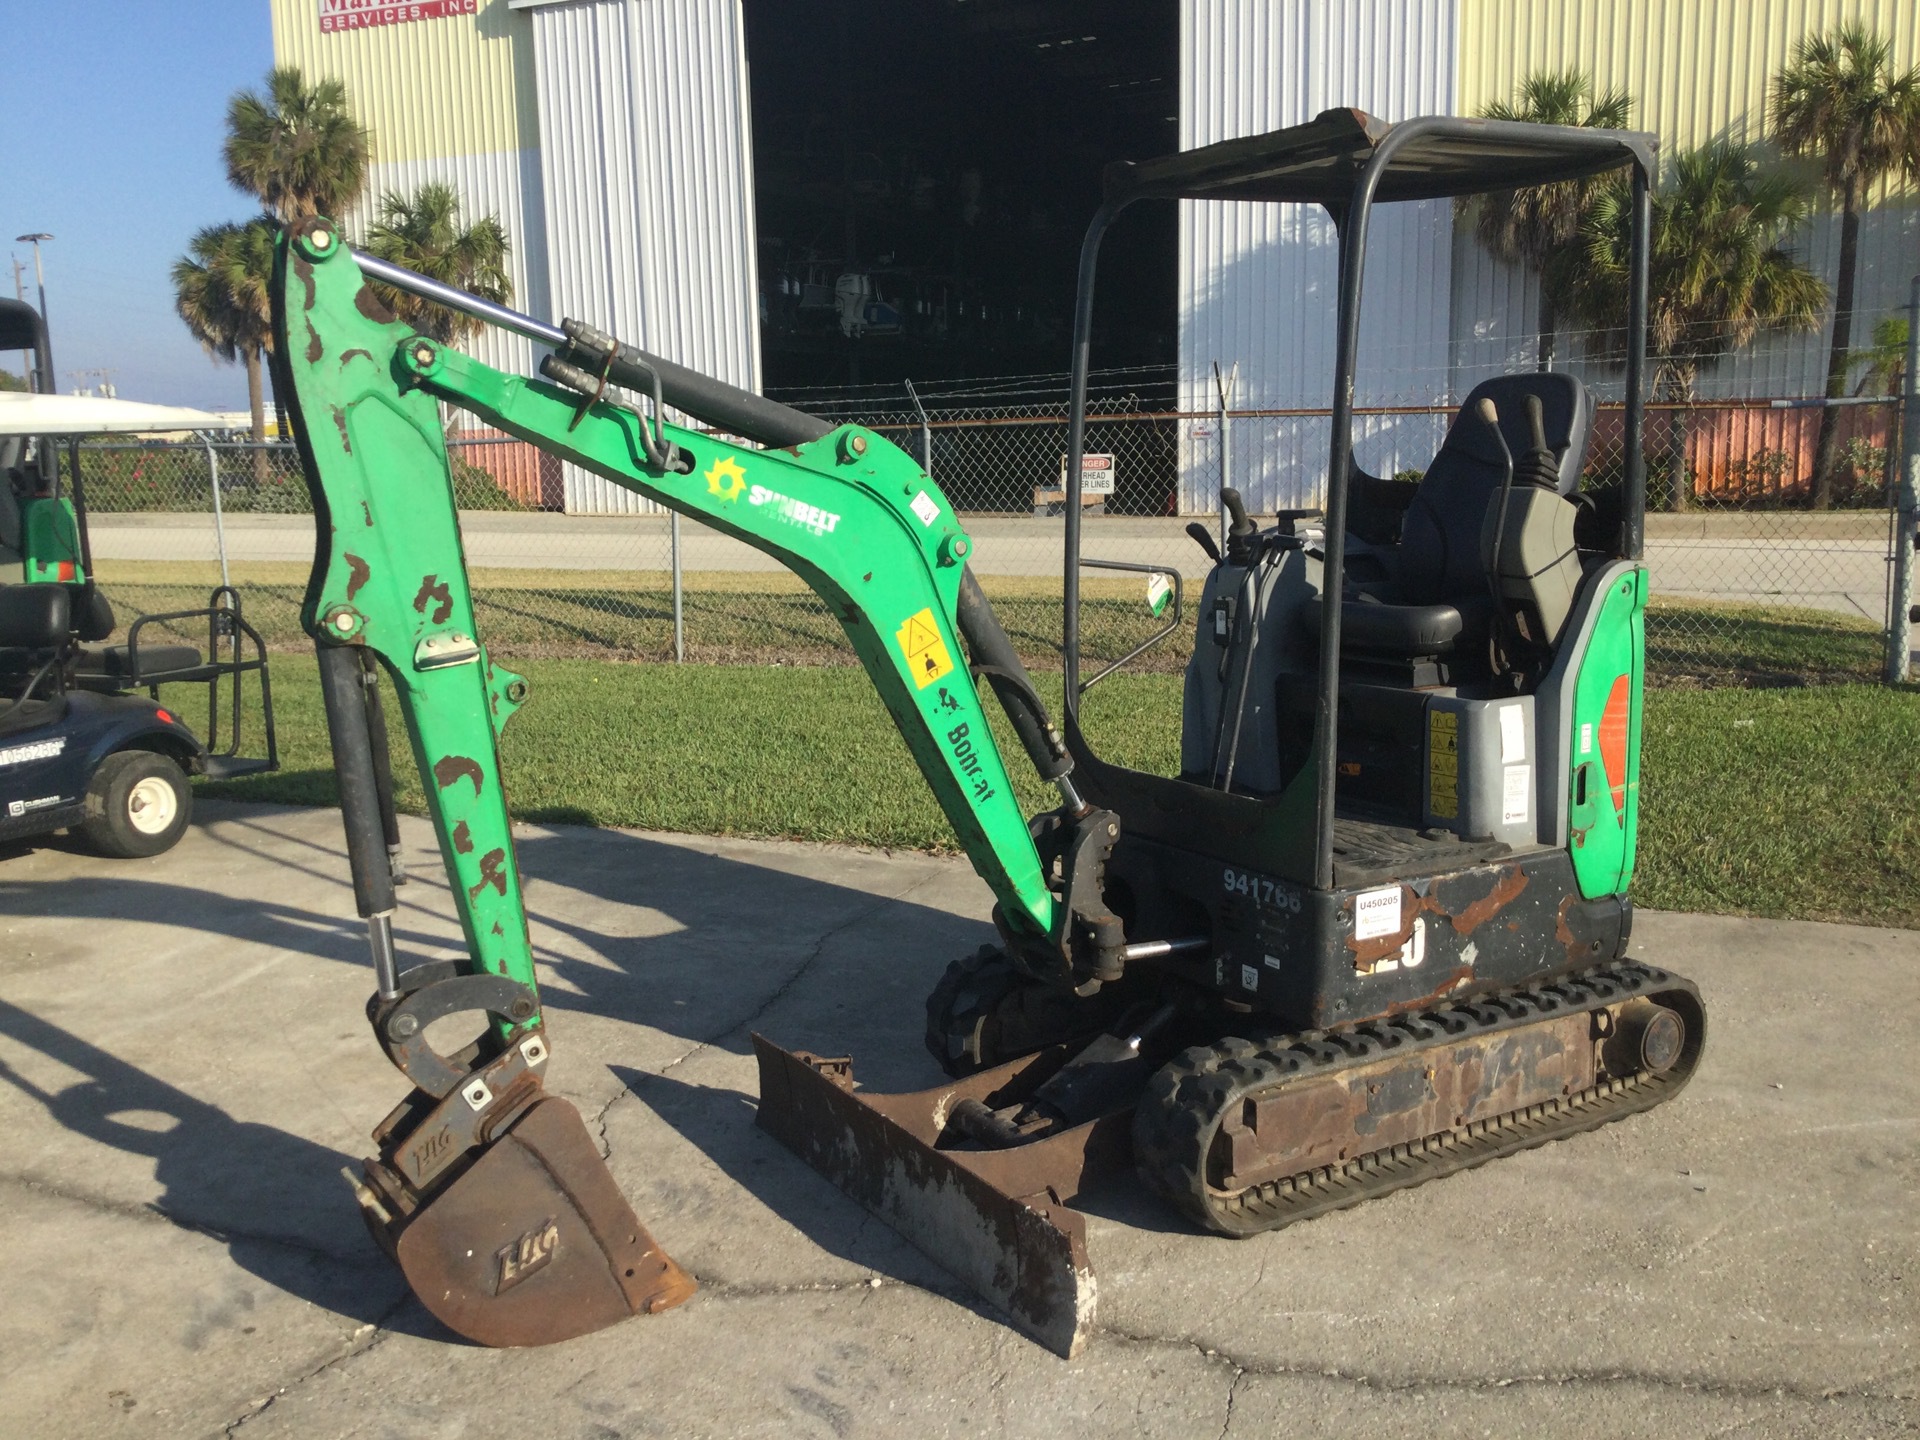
[
  {"x": 1442, "y": 314},
  {"x": 447, "y": 99},
  {"x": 1696, "y": 70},
  {"x": 505, "y": 183},
  {"x": 648, "y": 186},
  {"x": 1257, "y": 283},
  {"x": 453, "y": 85}
]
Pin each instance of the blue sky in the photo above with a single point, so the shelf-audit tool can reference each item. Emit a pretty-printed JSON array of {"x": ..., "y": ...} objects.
[{"x": 110, "y": 141}]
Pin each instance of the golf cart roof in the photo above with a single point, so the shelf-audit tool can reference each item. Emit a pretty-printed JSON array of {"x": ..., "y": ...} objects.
[
  {"x": 1441, "y": 156},
  {"x": 24, "y": 414}
]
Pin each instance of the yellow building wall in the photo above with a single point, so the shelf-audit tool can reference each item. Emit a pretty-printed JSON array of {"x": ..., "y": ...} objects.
[
  {"x": 1697, "y": 70},
  {"x": 428, "y": 89}
]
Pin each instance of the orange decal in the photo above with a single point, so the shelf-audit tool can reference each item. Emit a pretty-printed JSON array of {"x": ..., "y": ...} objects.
[{"x": 1613, "y": 740}]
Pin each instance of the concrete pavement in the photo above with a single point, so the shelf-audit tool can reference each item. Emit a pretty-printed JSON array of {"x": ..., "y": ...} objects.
[{"x": 184, "y": 1069}]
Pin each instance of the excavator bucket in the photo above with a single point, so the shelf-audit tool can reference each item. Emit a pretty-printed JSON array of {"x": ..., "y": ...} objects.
[
  {"x": 1000, "y": 1220},
  {"x": 531, "y": 1243}
]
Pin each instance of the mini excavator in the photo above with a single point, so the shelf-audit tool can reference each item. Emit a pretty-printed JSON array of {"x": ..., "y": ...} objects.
[{"x": 1373, "y": 933}]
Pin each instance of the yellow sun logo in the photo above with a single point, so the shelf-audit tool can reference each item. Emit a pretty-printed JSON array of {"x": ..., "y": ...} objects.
[{"x": 726, "y": 479}]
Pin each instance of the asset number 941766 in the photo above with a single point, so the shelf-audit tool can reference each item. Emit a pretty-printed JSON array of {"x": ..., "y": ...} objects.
[{"x": 1261, "y": 890}]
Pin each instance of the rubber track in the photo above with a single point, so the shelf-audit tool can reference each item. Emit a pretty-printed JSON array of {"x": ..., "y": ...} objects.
[{"x": 1187, "y": 1099}]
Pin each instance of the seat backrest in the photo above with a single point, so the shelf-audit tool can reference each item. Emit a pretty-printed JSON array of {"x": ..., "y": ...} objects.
[
  {"x": 93, "y": 617},
  {"x": 1439, "y": 557},
  {"x": 34, "y": 617}
]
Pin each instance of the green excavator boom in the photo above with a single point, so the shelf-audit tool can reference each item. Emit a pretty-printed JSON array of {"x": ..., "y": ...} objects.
[{"x": 389, "y": 596}]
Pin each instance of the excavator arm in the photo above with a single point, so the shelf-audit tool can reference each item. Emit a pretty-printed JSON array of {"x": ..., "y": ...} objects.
[{"x": 487, "y": 1191}]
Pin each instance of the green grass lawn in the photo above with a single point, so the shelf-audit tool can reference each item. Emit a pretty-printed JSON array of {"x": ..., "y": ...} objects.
[
  {"x": 1792, "y": 803},
  {"x": 747, "y": 618}
]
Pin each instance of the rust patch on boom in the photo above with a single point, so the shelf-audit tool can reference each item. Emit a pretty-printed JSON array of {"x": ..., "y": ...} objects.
[
  {"x": 457, "y": 767},
  {"x": 369, "y": 305},
  {"x": 433, "y": 588},
  {"x": 490, "y": 874},
  {"x": 357, "y": 574}
]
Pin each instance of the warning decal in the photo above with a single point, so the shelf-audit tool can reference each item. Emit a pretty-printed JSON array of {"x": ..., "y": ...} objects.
[
  {"x": 926, "y": 652},
  {"x": 1443, "y": 763}
]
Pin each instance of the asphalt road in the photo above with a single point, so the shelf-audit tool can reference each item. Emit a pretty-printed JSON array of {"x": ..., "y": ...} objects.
[
  {"x": 1820, "y": 562},
  {"x": 184, "y": 1070}
]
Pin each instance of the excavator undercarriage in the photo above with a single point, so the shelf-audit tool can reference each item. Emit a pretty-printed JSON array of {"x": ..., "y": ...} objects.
[{"x": 1374, "y": 932}]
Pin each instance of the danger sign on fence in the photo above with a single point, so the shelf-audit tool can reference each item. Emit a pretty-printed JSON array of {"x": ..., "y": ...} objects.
[{"x": 1096, "y": 474}]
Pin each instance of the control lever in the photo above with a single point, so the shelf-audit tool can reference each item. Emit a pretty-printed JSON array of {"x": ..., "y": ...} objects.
[
  {"x": 1538, "y": 466},
  {"x": 1242, "y": 532},
  {"x": 1491, "y": 417},
  {"x": 1204, "y": 538}
]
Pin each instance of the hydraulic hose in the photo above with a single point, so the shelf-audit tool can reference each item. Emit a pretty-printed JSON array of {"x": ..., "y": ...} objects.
[{"x": 995, "y": 658}]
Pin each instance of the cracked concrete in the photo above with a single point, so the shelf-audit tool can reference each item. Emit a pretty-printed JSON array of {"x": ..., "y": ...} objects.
[{"x": 184, "y": 1070}]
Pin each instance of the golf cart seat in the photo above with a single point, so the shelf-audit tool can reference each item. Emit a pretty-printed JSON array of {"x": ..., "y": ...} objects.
[
  {"x": 117, "y": 667},
  {"x": 33, "y": 620},
  {"x": 34, "y": 623},
  {"x": 1437, "y": 599},
  {"x": 120, "y": 667}
]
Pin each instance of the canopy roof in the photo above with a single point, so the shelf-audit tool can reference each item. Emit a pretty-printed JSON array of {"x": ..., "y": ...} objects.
[
  {"x": 23, "y": 414},
  {"x": 1438, "y": 156}
]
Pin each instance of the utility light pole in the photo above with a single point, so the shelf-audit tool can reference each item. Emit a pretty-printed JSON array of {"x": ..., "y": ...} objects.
[
  {"x": 40, "y": 279},
  {"x": 20, "y": 294}
]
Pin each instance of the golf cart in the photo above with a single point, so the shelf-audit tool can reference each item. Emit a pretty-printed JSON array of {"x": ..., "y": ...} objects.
[{"x": 81, "y": 746}]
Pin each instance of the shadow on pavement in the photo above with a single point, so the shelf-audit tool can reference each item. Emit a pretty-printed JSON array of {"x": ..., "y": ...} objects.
[
  {"x": 730, "y": 946},
  {"x": 227, "y": 1179}
]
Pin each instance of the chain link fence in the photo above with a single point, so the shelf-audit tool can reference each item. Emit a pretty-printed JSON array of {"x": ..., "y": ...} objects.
[{"x": 1750, "y": 585}]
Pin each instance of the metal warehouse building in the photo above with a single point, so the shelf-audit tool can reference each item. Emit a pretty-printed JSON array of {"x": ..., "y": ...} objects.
[{"x": 613, "y": 139}]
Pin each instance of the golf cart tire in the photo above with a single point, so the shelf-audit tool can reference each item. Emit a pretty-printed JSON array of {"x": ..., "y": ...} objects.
[{"x": 138, "y": 804}]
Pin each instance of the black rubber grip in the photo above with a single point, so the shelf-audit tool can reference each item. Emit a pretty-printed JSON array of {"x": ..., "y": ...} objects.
[
  {"x": 995, "y": 658},
  {"x": 345, "y": 694}
]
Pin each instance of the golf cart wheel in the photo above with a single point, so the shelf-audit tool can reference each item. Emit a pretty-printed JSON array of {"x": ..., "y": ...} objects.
[{"x": 138, "y": 803}]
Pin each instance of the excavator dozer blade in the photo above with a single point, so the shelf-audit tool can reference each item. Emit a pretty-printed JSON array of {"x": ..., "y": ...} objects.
[
  {"x": 533, "y": 1242},
  {"x": 999, "y": 1220}
]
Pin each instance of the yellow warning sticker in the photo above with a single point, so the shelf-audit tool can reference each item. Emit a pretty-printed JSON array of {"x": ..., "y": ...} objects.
[
  {"x": 926, "y": 652},
  {"x": 1443, "y": 764}
]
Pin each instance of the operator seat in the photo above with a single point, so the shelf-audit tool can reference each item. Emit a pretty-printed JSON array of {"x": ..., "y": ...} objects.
[{"x": 1436, "y": 600}]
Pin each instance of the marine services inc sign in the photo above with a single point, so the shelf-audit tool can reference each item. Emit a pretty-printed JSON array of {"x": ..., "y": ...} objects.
[{"x": 360, "y": 14}]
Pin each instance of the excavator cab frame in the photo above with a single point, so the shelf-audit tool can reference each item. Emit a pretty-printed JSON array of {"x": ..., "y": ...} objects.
[{"x": 1347, "y": 162}]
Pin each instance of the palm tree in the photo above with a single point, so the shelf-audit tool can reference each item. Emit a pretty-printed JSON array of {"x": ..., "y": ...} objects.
[
  {"x": 1841, "y": 102},
  {"x": 1526, "y": 227},
  {"x": 1719, "y": 272},
  {"x": 1885, "y": 359},
  {"x": 423, "y": 232},
  {"x": 297, "y": 147},
  {"x": 221, "y": 290},
  {"x": 1886, "y": 374}
]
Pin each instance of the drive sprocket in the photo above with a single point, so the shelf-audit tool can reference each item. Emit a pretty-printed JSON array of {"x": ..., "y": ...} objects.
[{"x": 984, "y": 1012}]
